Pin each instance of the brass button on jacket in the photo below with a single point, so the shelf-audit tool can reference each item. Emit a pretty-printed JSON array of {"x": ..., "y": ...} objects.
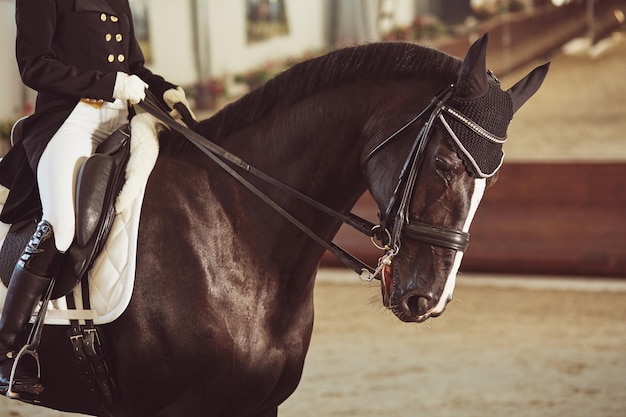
[{"x": 87, "y": 54}]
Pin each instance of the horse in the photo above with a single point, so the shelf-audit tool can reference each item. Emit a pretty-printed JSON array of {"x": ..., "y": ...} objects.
[{"x": 222, "y": 311}]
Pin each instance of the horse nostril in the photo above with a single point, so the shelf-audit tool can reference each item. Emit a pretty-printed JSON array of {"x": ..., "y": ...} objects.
[{"x": 415, "y": 305}]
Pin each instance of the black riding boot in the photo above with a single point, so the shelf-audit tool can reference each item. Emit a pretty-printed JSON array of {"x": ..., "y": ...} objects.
[{"x": 31, "y": 278}]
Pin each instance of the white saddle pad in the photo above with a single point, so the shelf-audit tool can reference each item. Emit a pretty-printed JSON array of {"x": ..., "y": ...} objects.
[{"x": 112, "y": 276}]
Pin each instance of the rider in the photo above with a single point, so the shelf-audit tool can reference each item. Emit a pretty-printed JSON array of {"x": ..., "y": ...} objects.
[{"x": 86, "y": 65}]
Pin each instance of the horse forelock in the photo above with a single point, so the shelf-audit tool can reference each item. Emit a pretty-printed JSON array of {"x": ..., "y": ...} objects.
[{"x": 374, "y": 61}]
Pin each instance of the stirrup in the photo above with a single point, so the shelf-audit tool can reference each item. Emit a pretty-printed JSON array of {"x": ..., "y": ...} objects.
[{"x": 30, "y": 349}]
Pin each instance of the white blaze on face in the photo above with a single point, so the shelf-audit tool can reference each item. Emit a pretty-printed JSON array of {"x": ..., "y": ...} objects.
[{"x": 479, "y": 190}]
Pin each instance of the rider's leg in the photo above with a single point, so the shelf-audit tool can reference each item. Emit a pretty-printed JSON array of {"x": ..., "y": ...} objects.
[
  {"x": 40, "y": 260},
  {"x": 74, "y": 142},
  {"x": 31, "y": 277},
  {"x": 56, "y": 176}
]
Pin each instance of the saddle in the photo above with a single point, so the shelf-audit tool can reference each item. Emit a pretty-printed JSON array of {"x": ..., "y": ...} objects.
[{"x": 99, "y": 181}]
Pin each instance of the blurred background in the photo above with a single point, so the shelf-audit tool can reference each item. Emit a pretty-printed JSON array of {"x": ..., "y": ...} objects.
[
  {"x": 559, "y": 204},
  {"x": 214, "y": 49}
]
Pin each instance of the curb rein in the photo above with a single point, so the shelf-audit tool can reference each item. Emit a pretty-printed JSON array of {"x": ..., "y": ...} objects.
[{"x": 396, "y": 213}]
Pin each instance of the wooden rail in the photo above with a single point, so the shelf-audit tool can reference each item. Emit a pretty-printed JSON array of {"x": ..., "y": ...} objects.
[
  {"x": 560, "y": 219},
  {"x": 519, "y": 38}
]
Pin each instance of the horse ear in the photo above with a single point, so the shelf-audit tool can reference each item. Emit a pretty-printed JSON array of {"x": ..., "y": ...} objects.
[
  {"x": 527, "y": 86},
  {"x": 472, "y": 76}
]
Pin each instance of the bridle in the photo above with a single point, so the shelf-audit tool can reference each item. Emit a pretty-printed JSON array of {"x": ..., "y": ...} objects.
[{"x": 396, "y": 215}]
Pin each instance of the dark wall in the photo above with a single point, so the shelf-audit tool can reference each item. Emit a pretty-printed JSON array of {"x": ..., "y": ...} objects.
[
  {"x": 552, "y": 219},
  {"x": 557, "y": 219}
]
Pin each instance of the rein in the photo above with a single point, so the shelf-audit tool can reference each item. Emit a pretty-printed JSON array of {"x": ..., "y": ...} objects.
[
  {"x": 221, "y": 156},
  {"x": 396, "y": 213}
]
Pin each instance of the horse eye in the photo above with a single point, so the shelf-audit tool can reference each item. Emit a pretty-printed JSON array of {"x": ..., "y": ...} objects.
[{"x": 442, "y": 164}]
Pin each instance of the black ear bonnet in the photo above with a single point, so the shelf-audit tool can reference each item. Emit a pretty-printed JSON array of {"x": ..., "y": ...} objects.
[{"x": 477, "y": 128}]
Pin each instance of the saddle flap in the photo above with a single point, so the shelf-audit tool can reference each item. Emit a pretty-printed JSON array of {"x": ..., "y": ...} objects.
[
  {"x": 99, "y": 181},
  {"x": 91, "y": 195}
]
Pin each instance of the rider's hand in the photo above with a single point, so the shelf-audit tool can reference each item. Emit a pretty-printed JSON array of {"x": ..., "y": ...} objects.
[
  {"x": 129, "y": 88},
  {"x": 173, "y": 96}
]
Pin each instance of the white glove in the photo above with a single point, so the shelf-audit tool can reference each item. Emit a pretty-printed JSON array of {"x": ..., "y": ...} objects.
[
  {"x": 177, "y": 95},
  {"x": 129, "y": 88}
]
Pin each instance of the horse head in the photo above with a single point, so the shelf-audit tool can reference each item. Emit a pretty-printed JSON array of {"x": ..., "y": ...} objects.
[{"x": 426, "y": 214}]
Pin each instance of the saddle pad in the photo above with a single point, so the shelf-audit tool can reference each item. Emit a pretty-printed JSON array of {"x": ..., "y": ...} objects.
[{"x": 112, "y": 276}]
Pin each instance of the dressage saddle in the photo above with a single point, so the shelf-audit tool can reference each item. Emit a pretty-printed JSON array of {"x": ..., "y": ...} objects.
[{"x": 99, "y": 181}]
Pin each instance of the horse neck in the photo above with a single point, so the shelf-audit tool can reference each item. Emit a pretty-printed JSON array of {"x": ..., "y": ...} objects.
[{"x": 314, "y": 146}]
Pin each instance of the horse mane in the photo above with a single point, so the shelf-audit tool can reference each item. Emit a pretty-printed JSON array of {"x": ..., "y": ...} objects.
[{"x": 367, "y": 62}]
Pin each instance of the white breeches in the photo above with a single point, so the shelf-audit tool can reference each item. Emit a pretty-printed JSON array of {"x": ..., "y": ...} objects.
[{"x": 76, "y": 140}]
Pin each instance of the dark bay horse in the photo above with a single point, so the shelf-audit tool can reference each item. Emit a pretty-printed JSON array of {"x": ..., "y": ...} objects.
[{"x": 222, "y": 312}]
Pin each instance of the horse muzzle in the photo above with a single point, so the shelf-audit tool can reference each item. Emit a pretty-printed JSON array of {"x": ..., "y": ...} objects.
[{"x": 411, "y": 304}]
